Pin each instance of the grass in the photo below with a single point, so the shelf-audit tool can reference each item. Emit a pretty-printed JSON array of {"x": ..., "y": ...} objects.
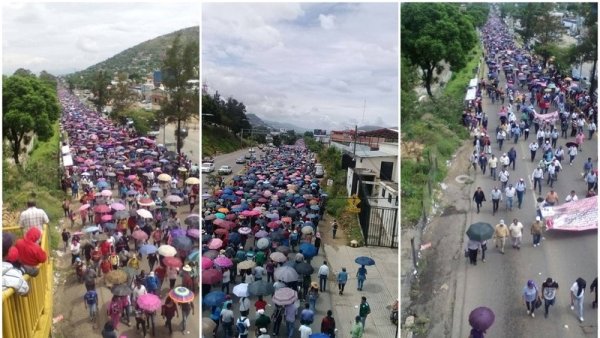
[{"x": 217, "y": 140}]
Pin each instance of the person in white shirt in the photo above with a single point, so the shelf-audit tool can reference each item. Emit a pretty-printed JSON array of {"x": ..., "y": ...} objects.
[
  {"x": 504, "y": 160},
  {"x": 533, "y": 147},
  {"x": 305, "y": 331},
  {"x": 572, "y": 154},
  {"x": 493, "y": 163},
  {"x": 572, "y": 197},
  {"x": 516, "y": 233},
  {"x": 138, "y": 290},
  {"x": 323, "y": 274},
  {"x": 577, "y": 291},
  {"x": 509, "y": 193},
  {"x": 504, "y": 176}
]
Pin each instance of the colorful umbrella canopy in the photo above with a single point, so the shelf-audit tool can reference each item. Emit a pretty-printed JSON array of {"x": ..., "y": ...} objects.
[
  {"x": 192, "y": 180},
  {"x": 181, "y": 294},
  {"x": 146, "y": 202},
  {"x": 147, "y": 249},
  {"x": 167, "y": 250},
  {"x": 212, "y": 254},
  {"x": 173, "y": 199},
  {"x": 261, "y": 234},
  {"x": 149, "y": 302},
  {"x": 223, "y": 262},
  {"x": 481, "y": 318},
  {"x": 220, "y": 215},
  {"x": 92, "y": 228},
  {"x": 211, "y": 276},
  {"x": 106, "y": 193},
  {"x": 278, "y": 257},
  {"x": 164, "y": 178},
  {"x": 117, "y": 206},
  {"x": 139, "y": 235},
  {"x": 193, "y": 257},
  {"x": 284, "y": 296},
  {"x": 106, "y": 218},
  {"x": 245, "y": 265},
  {"x": 286, "y": 274},
  {"x": 214, "y": 298},
  {"x": 244, "y": 230},
  {"x": 308, "y": 250},
  {"x": 307, "y": 230},
  {"x": 263, "y": 243},
  {"x": 215, "y": 244},
  {"x": 102, "y": 208},
  {"x": 182, "y": 243},
  {"x": 194, "y": 233},
  {"x": 172, "y": 262}
]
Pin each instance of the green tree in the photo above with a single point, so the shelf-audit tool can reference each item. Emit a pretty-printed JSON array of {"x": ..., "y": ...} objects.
[
  {"x": 234, "y": 115},
  {"x": 309, "y": 134},
  {"x": 48, "y": 78},
  {"x": 432, "y": 33},
  {"x": 23, "y": 72},
  {"x": 179, "y": 66},
  {"x": 99, "y": 88},
  {"x": 211, "y": 108},
  {"x": 122, "y": 96},
  {"x": 478, "y": 12},
  {"x": 29, "y": 106},
  {"x": 587, "y": 50}
]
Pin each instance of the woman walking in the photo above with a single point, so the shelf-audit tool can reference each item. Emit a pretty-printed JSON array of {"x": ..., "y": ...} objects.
[
  {"x": 577, "y": 290},
  {"x": 530, "y": 294}
]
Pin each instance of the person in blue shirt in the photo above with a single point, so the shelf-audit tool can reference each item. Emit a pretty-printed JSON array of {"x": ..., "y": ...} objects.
[
  {"x": 307, "y": 316},
  {"x": 342, "y": 278},
  {"x": 361, "y": 275}
]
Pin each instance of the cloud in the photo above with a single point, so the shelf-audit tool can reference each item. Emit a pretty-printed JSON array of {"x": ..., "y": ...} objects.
[
  {"x": 87, "y": 44},
  {"x": 327, "y": 21}
]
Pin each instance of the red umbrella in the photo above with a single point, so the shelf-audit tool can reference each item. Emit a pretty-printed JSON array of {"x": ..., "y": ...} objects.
[
  {"x": 226, "y": 225},
  {"x": 221, "y": 231},
  {"x": 101, "y": 209},
  {"x": 207, "y": 263},
  {"x": 84, "y": 207},
  {"x": 211, "y": 276},
  {"x": 106, "y": 218},
  {"x": 172, "y": 262},
  {"x": 273, "y": 225}
]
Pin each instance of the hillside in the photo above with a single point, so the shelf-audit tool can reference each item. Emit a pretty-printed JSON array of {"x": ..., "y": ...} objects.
[
  {"x": 218, "y": 140},
  {"x": 144, "y": 57}
]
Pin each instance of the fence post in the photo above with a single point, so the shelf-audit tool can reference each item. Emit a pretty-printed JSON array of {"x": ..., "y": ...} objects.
[{"x": 414, "y": 252}]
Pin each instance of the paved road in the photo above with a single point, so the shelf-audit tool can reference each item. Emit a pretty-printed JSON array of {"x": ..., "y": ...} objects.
[
  {"x": 191, "y": 144},
  {"x": 228, "y": 159},
  {"x": 499, "y": 281}
]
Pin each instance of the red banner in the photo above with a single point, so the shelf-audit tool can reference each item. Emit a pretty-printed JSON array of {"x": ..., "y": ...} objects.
[
  {"x": 549, "y": 117},
  {"x": 574, "y": 216}
]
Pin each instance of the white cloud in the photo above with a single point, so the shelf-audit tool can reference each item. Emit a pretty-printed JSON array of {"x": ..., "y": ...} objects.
[
  {"x": 327, "y": 21},
  {"x": 87, "y": 44}
]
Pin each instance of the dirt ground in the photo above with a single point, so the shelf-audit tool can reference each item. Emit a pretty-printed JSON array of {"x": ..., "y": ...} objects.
[{"x": 432, "y": 300}]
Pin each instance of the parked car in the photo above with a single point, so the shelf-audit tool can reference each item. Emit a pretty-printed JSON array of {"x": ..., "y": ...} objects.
[
  {"x": 208, "y": 167},
  {"x": 319, "y": 171},
  {"x": 240, "y": 160},
  {"x": 225, "y": 170}
]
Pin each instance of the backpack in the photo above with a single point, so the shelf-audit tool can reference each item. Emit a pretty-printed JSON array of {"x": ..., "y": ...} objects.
[
  {"x": 241, "y": 326},
  {"x": 91, "y": 297}
]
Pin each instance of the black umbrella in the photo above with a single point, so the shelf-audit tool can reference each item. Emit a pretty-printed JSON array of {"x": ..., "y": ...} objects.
[
  {"x": 304, "y": 268},
  {"x": 283, "y": 249},
  {"x": 480, "y": 231},
  {"x": 572, "y": 144},
  {"x": 121, "y": 290},
  {"x": 261, "y": 288}
]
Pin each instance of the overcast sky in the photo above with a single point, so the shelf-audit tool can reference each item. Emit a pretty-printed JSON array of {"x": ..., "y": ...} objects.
[
  {"x": 309, "y": 64},
  {"x": 66, "y": 37}
]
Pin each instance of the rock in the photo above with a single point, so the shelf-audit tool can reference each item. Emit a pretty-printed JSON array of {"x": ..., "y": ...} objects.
[{"x": 444, "y": 287}]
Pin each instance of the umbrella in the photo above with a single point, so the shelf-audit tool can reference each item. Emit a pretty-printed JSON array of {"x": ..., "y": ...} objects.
[
  {"x": 241, "y": 290},
  {"x": 307, "y": 230},
  {"x": 284, "y": 249},
  {"x": 214, "y": 298},
  {"x": 84, "y": 207},
  {"x": 193, "y": 257},
  {"x": 223, "y": 210},
  {"x": 110, "y": 226},
  {"x": 211, "y": 276},
  {"x": 139, "y": 235},
  {"x": 223, "y": 262},
  {"x": 106, "y": 218},
  {"x": 480, "y": 231},
  {"x": 286, "y": 274},
  {"x": 182, "y": 243},
  {"x": 149, "y": 302},
  {"x": 308, "y": 250},
  {"x": 117, "y": 206},
  {"x": 207, "y": 263},
  {"x": 164, "y": 178},
  {"x": 284, "y": 296},
  {"x": 221, "y": 231},
  {"x": 92, "y": 228},
  {"x": 167, "y": 250},
  {"x": 481, "y": 318},
  {"x": 572, "y": 144},
  {"x": 181, "y": 294},
  {"x": 260, "y": 288},
  {"x": 192, "y": 180},
  {"x": 106, "y": 193},
  {"x": 220, "y": 215},
  {"x": 278, "y": 257},
  {"x": 103, "y": 208},
  {"x": 173, "y": 199},
  {"x": 263, "y": 243},
  {"x": 261, "y": 234},
  {"x": 245, "y": 265},
  {"x": 145, "y": 202},
  {"x": 144, "y": 213},
  {"x": 245, "y": 230},
  {"x": 215, "y": 244},
  {"x": 121, "y": 289},
  {"x": 122, "y": 214},
  {"x": 116, "y": 277},
  {"x": 193, "y": 233},
  {"x": 178, "y": 233},
  {"x": 363, "y": 260},
  {"x": 147, "y": 249},
  {"x": 172, "y": 262},
  {"x": 234, "y": 238},
  {"x": 304, "y": 268}
]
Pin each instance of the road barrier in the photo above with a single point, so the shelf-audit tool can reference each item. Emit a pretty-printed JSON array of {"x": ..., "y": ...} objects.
[{"x": 30, "y": 316}]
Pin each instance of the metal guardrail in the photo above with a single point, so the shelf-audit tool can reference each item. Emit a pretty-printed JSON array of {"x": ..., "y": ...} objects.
[{"x": 30, "y": 316}]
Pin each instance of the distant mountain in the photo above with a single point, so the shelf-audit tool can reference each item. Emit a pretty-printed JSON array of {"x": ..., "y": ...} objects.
[
  {"x": 144, "y": 57},
  {"x": 256, "y": 121},
  {"x": 370, "y": 128}
]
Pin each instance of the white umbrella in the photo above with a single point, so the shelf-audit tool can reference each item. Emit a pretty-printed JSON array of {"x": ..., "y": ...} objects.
[
  {"x": 192, "y": 180},
  {"x": 144, "y": 213},
  {"x": 106, "y": 193},
  {"x": 164, "y": 177},
  {"x": 173, "y": 198},
  {"x": 241, "y": 290},
  {"x": 167, "y": 250}
]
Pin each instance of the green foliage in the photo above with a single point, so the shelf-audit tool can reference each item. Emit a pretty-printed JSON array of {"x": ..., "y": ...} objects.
[
  {"x": 122, "y": 96},
  {"x": 99, "y": 88},
  {"x": 142, "y": 120},
  {"x": 477, "y": 12},
  {"x": 432, "y": 33},
  {"x": 308, "y": 134},
  {"x": 29, "y": 105},
  {"x": 312, "y": 144},
  {"x": 219, "y": 140}
]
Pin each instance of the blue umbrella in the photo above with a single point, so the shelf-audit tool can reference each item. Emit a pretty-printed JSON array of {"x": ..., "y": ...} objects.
[
  {"x": 234, "y": 237},
  {"x": 319, "y": 335},
  {"x": 314, "y": 207},
  {"x": 311, "y": 216},
  {"x": 110, "y": 226},
  {"x": 147, "y": 249},
  {"x": 183, "y": 243},
  {"x": 214, "y": 298},
  {"x": 308, "y": 250},
  {"x": 364, "y": 260},
  {"x": 102, "y": 185},
  {"x": 194, "y": 256},
  {"x": 92, "y": 228}
]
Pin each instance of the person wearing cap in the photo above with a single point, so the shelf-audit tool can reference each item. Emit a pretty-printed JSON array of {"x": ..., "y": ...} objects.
[
  {"x": 509, "y": 193},
  {"x": 520, "y": 187},
  {"x": 530, "y": 294},
  {"x": 516, "y": 233},
  {"x": 536, "y": 231},
  {"x": 262, "y": 321},
  {"x": 549, "y": 291}
]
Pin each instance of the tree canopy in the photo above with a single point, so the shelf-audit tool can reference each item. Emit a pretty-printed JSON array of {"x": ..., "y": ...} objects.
[
  {"x": 122, "y": 97},
  {"x": 435, "y": 32},
  {"x": 99, "y": 87},
  {"x": 29, "y": 105},
  {"x": 230, "y": 113}
]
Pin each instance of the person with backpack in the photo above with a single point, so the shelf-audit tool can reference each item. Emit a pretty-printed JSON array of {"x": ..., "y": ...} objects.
[
  {"x": 242, "y": 325},
  {"x": 114, "y": 310},
  {"x": 91, "y": 303}
]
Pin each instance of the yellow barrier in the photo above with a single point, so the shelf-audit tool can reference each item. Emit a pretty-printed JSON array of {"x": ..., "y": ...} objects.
[{"x": 30, "y": 316}]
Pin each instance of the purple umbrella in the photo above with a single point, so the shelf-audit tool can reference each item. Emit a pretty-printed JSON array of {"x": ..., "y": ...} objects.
[
  {"x": 481, "y": 318},
  {"x": 177, "y": 233},
  {"x": 223, "y": 262},
  {"x": 261, "y": 234},
  {"x": 194, "y": 233}
]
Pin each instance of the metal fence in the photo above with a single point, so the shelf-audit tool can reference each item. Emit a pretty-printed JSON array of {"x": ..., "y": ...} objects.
[{"x": 379, "y": 224}]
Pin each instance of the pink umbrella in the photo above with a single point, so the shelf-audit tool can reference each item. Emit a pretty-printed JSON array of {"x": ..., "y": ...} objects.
[
  {"x": 223, "y": 262},
  {"x": 230, "y": 217},
  {"x": 117, "y": 206},
  {"x": 106, "y": 218},
  {"x": 239, "y": 192},
  {"x": 139, "y": 235},
  {"x": 207, "y": 263},
  {"x": 244, "y": 230},
  {"x": 106, "y": 193},
  {"x": 172, "y": 262},
  {"x": 215, "y": 244},
  {"x": 103, "y": 208},
  {"x": 149, "y": 302},
  {"x": 84, "y": 207},
  {"x": 131, "y": 177}
]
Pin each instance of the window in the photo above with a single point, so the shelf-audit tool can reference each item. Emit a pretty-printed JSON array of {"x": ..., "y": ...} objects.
[
  {"x": 396, "y": 200},
  {"x": 382, "y": 192},
  {"x": 390, "y": 198}
]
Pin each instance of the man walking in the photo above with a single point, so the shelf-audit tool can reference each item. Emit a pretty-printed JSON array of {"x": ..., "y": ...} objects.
[
  {"x": 516, "y": 233},
  {"x": 504, "y": 176},
  {"x": 536, "y": 231},
  {"x": 500, "y": 234},
  {"x": 493, "y": 163},
  {"x": 496, "y": 198},
  {"x": 537, "y": 176},
  {"x": 479, "y": 198},
  {"x": 533, "y": 147},
  {"x": 512, "y": 157},
  {"x": 342, "y": 278},
  {"x": 520, "y": 187},
  {"x": 323, "y": 273},
  {"x": 364, "y": 310},
  {"x": 505, "y": 161},
  {"x": 33, "y": 217},
  {"x": 483, "y": 161},
  {"x": 334, "y": 227},
  {"x": 549, "y": 289},
  {"x": 509, "y": 193}
]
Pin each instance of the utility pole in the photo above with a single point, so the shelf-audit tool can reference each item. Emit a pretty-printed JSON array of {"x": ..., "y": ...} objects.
[{"x": 355, "y": 137}]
